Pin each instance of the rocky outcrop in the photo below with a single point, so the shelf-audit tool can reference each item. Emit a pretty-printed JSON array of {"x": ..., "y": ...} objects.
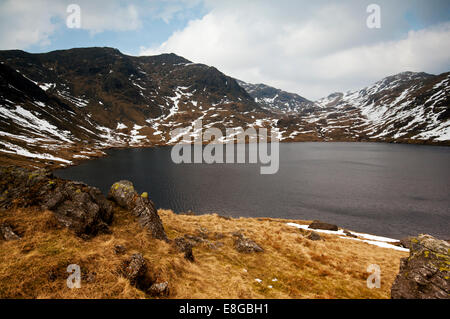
[
  {"x": 6, "y": 233},
  {"x": 159, "y": 289},
  {"x": 183, "y": 245},
  {"x": 202, "y": 238},
  {"x": 135, "y": 269},
  {"x": 124, "y": 194},
  {"x": 425, "y": 274},
  {"x": 79, "y": 207},
  {"x": 22, "y": 187},
  {"x": 75, "y": 205},
  {"x": 245, "y": 245},
  {"x": 321, "y": 225}
]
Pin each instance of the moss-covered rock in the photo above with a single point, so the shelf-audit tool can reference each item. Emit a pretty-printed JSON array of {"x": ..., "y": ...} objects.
[
  {"x": 80, "y": 207},
  {"x": 425, "y": 273},
  {"x": 124, "y": 194}
]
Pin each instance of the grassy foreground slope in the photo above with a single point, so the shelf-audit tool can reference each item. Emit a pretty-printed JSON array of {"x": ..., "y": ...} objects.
[{"x": 35, "y": 266}]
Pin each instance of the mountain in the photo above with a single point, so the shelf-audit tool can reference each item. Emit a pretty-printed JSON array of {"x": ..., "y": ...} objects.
[
  {"x": 406, "y": 106},
  {"x": 274, "y": 99},
  {"x": 77, "y": 102},
  {"x": 64, "y": 106}
]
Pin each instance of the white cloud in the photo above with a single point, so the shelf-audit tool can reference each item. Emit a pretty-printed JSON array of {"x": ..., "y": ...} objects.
[
  {"x": 98, "y": 16},
  {"x": 24, "y": 23},
  {"x": 311, "y": 49},
  {"x": 426, "y": 49}
]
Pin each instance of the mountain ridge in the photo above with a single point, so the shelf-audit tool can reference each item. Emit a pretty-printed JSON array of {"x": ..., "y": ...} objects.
[{"x": 64, "y": 106}]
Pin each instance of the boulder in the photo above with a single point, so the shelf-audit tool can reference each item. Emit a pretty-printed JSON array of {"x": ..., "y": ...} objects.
[
  {"x": 425, "y": 274},
  {"x": 246, "y": 245},
  {"x": 79, "y": 207},
  {"x": 124, "y": 194},
  {"x": 314, "y": 236},
  {"x": 21, "y": 187},
  {"x": 321, "y": 225},
  {"x": 6, "y": 233},
  {"x": 148, "y": 218},
  {"x": 197, "y": 241},
  {"x": 183, "y": 245},
  {"x": 75, "y": 205},
  {"x": 194, "y": 240},
  {"x": 159, "y": 289},
  {"x": 136, "y": 271}
]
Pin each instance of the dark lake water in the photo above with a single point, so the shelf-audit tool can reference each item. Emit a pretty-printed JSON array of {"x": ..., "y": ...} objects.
[{"x": 383, "y": 189}]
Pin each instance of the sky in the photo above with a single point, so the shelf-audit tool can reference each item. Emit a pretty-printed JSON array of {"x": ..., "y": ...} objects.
[{"x": 312, "y": 48}]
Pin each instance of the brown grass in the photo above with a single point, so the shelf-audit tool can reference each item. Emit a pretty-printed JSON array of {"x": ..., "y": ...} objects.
[{"x": 35, "y": 266}]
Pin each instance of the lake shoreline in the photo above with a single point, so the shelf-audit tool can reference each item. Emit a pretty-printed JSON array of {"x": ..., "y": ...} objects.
[
  {"x": 445, "y": 144},
  {"x": 77, "y": 157}
]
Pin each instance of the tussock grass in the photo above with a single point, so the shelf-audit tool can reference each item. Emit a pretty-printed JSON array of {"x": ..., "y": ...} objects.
[{"x": 35, "y": 266}]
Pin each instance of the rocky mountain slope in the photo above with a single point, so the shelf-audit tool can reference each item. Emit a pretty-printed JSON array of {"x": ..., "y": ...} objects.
[
  {"x": 75, "y": 103},
  {"x": 60, "y": 107},
  {"x": 276, "y": 100},
  {"x": 408, "y": 105}
]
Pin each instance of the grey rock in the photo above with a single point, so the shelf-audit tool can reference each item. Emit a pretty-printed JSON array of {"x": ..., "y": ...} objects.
[
  {"x": 159, "y": 289},
  {"x": 79, "y": 207},
  {"x": 148, "y": 218},
  {"x": 425, "y": 274},
  {"x": 136, "y": 271},
  {"x": 321, "y": 225},
  {"x": 6, "y": 233},
  {"x": 183, "y": 245},
  {"x": 246, "y": 245},
  {"x": 124, "y": 194},
  {"x": 75, "y": 205},
  {"x": 194, "y": 240}
]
